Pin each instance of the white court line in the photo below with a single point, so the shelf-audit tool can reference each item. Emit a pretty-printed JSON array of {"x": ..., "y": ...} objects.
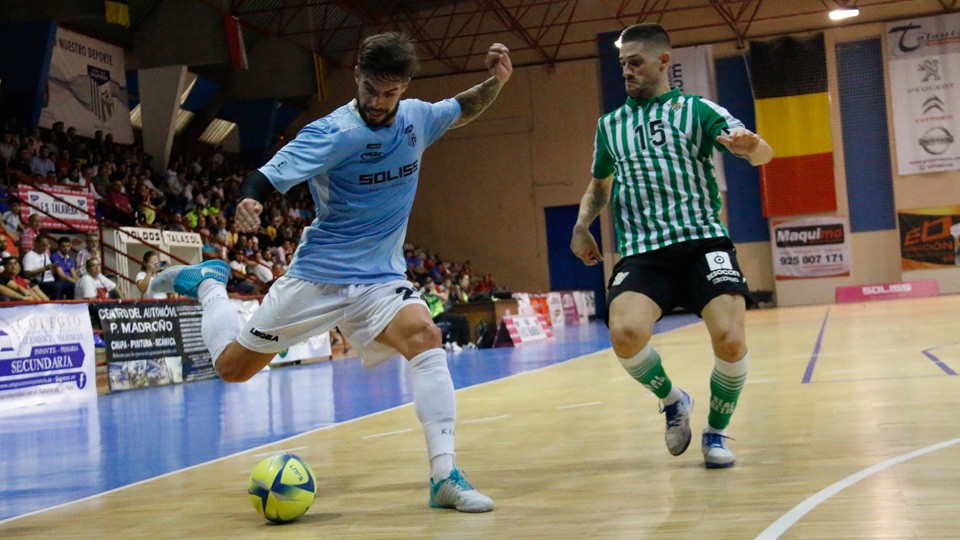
[
  {"x": 787, "y": 520},
  {"x": 487, "y": 419},
  {"x": 281, "y": 451},
  {"x": 576, "y": 405},
  {"x": 387, "y": 434},
  {"x": 758, "y": 381}
]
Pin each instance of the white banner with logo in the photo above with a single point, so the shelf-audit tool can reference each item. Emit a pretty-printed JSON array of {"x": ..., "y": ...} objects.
[
  {"x": 811, "y": 248},
  {"x": 87, "y": 87},
  {"x": 59, "y": 208},
  {"x": 691, "y": 70},
  {"x": 924, "y": 64},
  {"x": 46, "y": 354}
]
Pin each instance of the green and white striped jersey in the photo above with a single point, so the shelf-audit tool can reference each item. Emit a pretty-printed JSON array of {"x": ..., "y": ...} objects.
[{"x": 659, "y": 153}]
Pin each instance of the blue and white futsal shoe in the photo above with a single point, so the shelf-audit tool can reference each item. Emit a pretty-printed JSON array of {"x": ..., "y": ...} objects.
[
  {"x": 677, "y": 435},
  {"x": 455, "y": 492},
  {"x": 185, "y": 280},
  {"x": 716, "y": 455}
]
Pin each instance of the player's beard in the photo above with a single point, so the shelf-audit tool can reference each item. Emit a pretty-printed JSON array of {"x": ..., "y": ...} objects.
[{"x": 386, "y": 120}]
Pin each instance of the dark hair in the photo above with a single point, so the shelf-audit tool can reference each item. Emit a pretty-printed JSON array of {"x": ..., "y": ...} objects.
[
  {"x": 388, "y": 55},
  {"x": 147, "y": 255},
  {"x": 7, "y": 260},
  {"x": 651, "y": 34},
  {"x": 63, "y": 239}
]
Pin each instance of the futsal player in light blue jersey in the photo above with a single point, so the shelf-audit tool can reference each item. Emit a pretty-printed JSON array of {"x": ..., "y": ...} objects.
[{"x": 361, "y": 163}]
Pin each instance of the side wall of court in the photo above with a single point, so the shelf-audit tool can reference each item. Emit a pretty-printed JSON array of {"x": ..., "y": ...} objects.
[{"x": 484, "y": 187}]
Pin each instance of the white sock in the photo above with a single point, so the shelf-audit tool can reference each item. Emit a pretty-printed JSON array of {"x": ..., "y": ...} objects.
[
  {"x": 644, "y": 360},
  {"x": 436, "y": 407},
  {"x": 220, "y": 323}
]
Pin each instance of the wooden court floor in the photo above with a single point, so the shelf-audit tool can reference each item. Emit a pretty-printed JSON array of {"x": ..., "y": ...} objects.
[{"x": 847, "y": 428}]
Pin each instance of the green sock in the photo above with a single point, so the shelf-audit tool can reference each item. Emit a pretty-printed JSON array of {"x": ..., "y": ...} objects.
[
  {"x": 646, "y": 368},
  {"x": 726, "y": 382}
]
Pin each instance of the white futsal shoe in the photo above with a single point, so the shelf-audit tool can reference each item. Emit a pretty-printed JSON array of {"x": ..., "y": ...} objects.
[{"x": 455, "y": 492}]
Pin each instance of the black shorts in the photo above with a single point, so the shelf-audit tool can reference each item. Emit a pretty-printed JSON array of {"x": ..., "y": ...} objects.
[{"x": 688, "y": 275}]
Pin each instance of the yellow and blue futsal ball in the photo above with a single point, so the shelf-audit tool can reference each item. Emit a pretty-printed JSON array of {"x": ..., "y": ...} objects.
[{"x": 282, "y": 487}]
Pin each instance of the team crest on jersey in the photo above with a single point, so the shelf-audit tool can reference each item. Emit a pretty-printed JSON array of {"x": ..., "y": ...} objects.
[
  {"x": 676, "y": 106},
  {"x": 619, "y": 278},
  {"x": 411, "y": 138}
]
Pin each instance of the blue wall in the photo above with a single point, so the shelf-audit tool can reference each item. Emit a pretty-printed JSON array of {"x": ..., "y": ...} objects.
[
  {"x": 744, "y": 207},
  {"x": 24, "y": 66},
  {"x": 866, "y": 146}
]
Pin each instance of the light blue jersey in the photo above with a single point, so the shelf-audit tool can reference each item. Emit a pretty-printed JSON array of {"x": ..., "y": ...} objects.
[{"x": 363, "y": 180}]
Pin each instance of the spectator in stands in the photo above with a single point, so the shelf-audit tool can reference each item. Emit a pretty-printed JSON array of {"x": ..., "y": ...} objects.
[
  {"x": 7, "y": 150},
  {"x": 151, "y": 265},
  {"x": 39, "y": 269},
  {"x": 30, "y": 233},
  {"x": 41, "y": 164},
  {"x": 63, "y": 162},
  {"x": 21, "y": 161},
  {"x": 436, "y": 299},
  {"x": 66, "y": 271},
  {"x": 239, "y": 280},
  {"x": 60, "y": 137},
  {"x": 11, "y": 219},
  {"x": 91, "y": 250},
  {"x": 118, "y": 207},
  {"x": 13, "y": 280},
  {"x": 95, "y": 285}
]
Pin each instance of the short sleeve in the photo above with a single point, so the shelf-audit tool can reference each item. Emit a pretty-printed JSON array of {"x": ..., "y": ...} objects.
[
  {"x": 603, "y": 162},
  {"x": 438, "y": 117},
  {"x": 715, "y": 120},
  {"x": 313, "y": 152}
]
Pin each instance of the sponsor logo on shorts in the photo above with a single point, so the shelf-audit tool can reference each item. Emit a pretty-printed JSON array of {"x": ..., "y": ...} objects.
[
  {"x": 721, "y": 268},
  {"x": 619, "y": 279},
  {"x": 263, "y": 335}
]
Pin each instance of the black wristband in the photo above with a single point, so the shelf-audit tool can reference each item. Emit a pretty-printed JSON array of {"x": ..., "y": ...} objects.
[{"x": 256, "y": 186}]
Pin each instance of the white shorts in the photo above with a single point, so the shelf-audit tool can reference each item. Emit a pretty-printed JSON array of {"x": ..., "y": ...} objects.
[{"x": 294, "y": 310}]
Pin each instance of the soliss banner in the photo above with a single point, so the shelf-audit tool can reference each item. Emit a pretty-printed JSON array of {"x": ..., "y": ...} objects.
[
  {"x": 925, "y": 92},
  {"x": 811, "y": 248},
  {"x": 46, "y": 354}
]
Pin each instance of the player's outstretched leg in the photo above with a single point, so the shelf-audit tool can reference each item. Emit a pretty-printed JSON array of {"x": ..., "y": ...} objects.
[
  {"x": 207, "y": 282},
  {"x": 185, "y": 280}
]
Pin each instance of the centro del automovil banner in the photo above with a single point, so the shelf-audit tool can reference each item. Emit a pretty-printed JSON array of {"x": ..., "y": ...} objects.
[{"x": 46, "y": 354}]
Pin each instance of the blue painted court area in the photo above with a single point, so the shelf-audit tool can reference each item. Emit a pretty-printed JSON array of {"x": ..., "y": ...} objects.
[{"x": 54, "y": 454}]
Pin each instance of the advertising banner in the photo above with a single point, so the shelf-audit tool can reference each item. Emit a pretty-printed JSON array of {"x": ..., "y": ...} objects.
[
  {"x": 46, "y": 354},
  {"x": 929, "y": 237},
  {"x": 811, "y": 248},
  {"x": 153, "y": 344},
  {"x": 925, "y": 89},
  {"x": 87, "y": 87},
  {"x": 57, "y": 205}
]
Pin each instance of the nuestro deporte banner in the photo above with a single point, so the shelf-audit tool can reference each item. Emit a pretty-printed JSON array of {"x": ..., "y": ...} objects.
[
  {"x": 46, "y": 354},
  {"x": 925, "y": 90},
  {"x": 153, "y": 344},
  {"x": 813, "y": 247},
  {"x": 929, "y": 237},
  {"x": 87, "y": 87}
]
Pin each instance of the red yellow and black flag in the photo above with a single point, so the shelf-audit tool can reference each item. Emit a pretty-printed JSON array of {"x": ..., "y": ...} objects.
[
  {"x": 789, "y": 78},
  {"x": 117, "y": 12}
]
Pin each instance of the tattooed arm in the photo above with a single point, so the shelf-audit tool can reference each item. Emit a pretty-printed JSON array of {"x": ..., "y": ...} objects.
[
  {"x": 476, "y": 100},
  {"x": 582, "y": 243}
]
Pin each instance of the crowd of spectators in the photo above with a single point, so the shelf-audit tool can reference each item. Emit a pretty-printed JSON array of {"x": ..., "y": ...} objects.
[{"x": 197, "y": 192}]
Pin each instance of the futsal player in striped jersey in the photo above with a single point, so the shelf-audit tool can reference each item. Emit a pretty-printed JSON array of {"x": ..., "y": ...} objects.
[
  {"x": 361, "y": 163},
  {"x": 652, "y": 163}
]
